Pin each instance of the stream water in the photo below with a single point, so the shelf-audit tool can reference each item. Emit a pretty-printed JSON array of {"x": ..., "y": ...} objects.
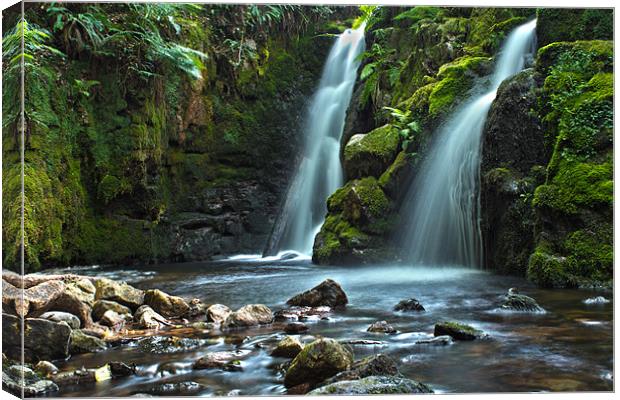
[{"x": 568, "y": 348}]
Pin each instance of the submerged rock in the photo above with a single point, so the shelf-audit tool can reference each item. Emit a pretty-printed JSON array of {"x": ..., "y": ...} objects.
[
  {"x": 83, "y": 343},
  {"x": 169, "y": 344},
  {"x": 409, "y": 305},
  {"x": 165, "y": 304},
  {"x": 218, "y": 313},
  {"x": 302, "y": 313},
  {"x": 457, "y": 331},
  {"x": 318, "y": 361},
  {"x": 377, "y": 365},
  {"x": 146, "y": 318},
  {"x": 196, "y": 308},
  {"x": 288, "y": 347},
  {"x": 381, "y": 327},
  {"x": 187, "y": 388},
  {"x": 101, "y": 306},
  {"x": 296, "y": 327},
  {"x": 118, "y": 368},
  {"x": 374, "y": 385},
  {"x": 249, "y": 315},
  {"x": 437, "y": 341},
  {"x": 31, "y": 384},
  {"x": 327, "y": 293},
  {"x": 226, "y": 360},
  {"x": 61, "y": 316},
  {"x": 43, "y": 339},
  {"x": 520, "y": 302},
  {"x": 120, "y": 292},
  {"x": 596, "y": 300}
]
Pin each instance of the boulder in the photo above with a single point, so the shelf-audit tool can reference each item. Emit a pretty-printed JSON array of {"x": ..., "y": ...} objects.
[
  {"x": 113, "y": 319},
  {"x": 165, "y": 304},
  {"x": 101, "y": 306},
  {"x": 520, "y": 302},
  {"x": 374, "y": 385},
  {"x": 295, "y": 328},
  {"x": 381, "y": 327},
  {"x": 327, "y": 293},
  {"x": 457, "y": 331},
  {"x": 409, "y": 305},
  {"x": 288, "y": 347},
  {"x": 46, "y": 368},
  {"x": 31, "y": 385},
  {"x": 226, "y": 360},
  {"x": 120, "y": 292},
  {"x": 83, "y": 343},
  {"x": 61, "y": 316},
  {"x": 146, "y": 318},
  {"x": 372, "y": 153},
  {"x": 318, "y": 361},
  {"x": 43, "y": 339},
  {"x": 249, "y": 315},
  {"x": 32, "y": 301},
  {"x": 82, "y": 289},
  {"x": 218, "y": 313},
  {"x": 436, "y": 341},
  {"x": 377, "y": 365}
]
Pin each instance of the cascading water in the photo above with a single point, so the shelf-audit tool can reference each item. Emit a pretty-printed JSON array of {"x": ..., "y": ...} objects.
[
  {"x": 442, "y": 207},
  {"x": 319, "y": 173}
]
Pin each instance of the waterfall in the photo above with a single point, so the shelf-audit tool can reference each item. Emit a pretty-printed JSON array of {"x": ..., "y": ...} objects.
[
  {"x": 319, "y": 174},
  {"x": 442, "y": 206}
]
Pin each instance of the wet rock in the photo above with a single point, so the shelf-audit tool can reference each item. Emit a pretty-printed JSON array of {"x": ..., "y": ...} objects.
[
  {"x": 437, "y": 341},
  {"x": 520, "y": 302},
  {"x": 146, "y": 318},
  {"x": 370, "y": 154},
  {"x": 165, "y": 304},
  {"x": 381, "y": 327},
  {"x": 288, "y": 347},
  {"x": 77, "y": 298},
  {"x": 31, "y": 384},
  {"x": 299, "y": 389},
  {"x": 457, "y": 331},
  {"x": 81, "y": 289},
  {"x": 169, "y": 344},
  {"x": 101, "y": 306},
  {"x": 32, "y": 301},
  {"x": 196, "y": 308},
  {"x": 302, "y": 314},
  {"x": 187, "y": 388},
  {"x": 596, "y": 300},
  {"x": 61, "y": 316},
  {"x": 121, "y": 369},
  {"x": 218, "y": 313},
  {"x": 249, "y": 315},
  {"x": 83, "y": 343},
  {"x": 226, "y": 360},
  {"x": 409, "y": 305},
  {"x": 43, "y": 339},
  {"x": 113, "y": 319},
  {"x": 327, "y": 293},
  {"x": 377, "y": 365},
  {"x": 318, "y": 361},
  {"x": 296, "y": 328},
  {"x": 120, "y": 292},
  {"x": 365, "y": 342},
  {"x": 45, "y": 368},
  {"x": 374, "y": 385}
]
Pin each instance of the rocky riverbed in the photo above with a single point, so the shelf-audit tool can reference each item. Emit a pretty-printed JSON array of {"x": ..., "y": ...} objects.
[{"x": 192, "y": 329}]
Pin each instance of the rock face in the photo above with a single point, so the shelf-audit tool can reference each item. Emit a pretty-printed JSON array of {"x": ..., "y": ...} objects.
[
  {"x": 60, "y": 316},
  {"x": 31, "y": 385},
  {"x": 83, "y": 343},
  {"x": 218, "y": 313},
  {"x": 318, "y": 361},
  {"x": 165, "y": 304},
  {"x": 249, "y": 315},
  {"x": 409, "y": 305},
  {"x": 101, "y": 306},
  {"x": 288, "y": 347},
  {"x": 457, "y": 331},
  {"x": 374, "y": 385},
  {"x": 327, "y": 293},
  {"x": 377, "y": 365},
  {"x": 381, "y": 327},
  {"x": 43, "y": 339},
  {"x": 119, "y": 292},
  {"x": 520, "y": 302}
]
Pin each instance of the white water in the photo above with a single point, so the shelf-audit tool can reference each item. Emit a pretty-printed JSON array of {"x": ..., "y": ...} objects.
[
  {"x": 320, "y": 173},
  {"x": 442, "y": 207}
]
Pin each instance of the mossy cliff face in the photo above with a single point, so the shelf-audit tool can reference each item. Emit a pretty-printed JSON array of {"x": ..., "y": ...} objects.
[{"x": 146, "y": 150}]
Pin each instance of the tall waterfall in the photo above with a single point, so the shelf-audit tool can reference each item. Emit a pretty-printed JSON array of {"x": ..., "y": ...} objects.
[
  {"x": 442, "y": 207},
  {"x": 319, "y": 174}
]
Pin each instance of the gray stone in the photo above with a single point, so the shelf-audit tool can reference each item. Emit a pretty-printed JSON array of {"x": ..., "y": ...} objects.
[
  {"x": 327, "y": 293},
  {"x": 374, "y": 385},
  {"x": 61, "y": 316},
  {"x": 43, "y": 339}
]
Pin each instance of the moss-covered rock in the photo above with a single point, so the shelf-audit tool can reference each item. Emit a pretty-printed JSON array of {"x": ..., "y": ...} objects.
[
  {"x": 318, "y": 361},
  {"x": 457, "y": 331},
  {"x": 371, "y": 153},
  {"x": 382, "y": 385}
]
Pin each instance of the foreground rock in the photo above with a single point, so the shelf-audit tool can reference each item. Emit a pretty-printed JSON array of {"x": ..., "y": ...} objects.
[
  {"x": 32, "y": 301},
  {"x": 409, "y": 305},
  {"x": 83, "y": 375},
  {"x": 120, "y": 292},
  {"x": 146, "y": 318},
  {"x": 187, "y": 388},
  {"x": 249, "y": 315},
  {"x": 218, "y": 313},
  {"x": 377, "y": 365},
  {"x": 519, "y": 302},
  {"x": 318, "y": 361},
  {"x": 165, "y": 304},
  {"x": 381, "y": 327},
  {"x": 101, "y": 306},
  {"x": 61, "y": 316},
  {"x": 84, "y": 343},
  {"x": 458, "y": 331},
  {"x": 374, "y": 385},
  {"x": 43, "y": 339},
  {"x": 31, "y": 385},
  {"x": 327, "y": 293},
  {"x": 288, "y": 347}
]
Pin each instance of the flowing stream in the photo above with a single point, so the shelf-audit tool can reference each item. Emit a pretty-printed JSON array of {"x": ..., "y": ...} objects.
[
  {"x": 319, "y": 174},
  {"x": 442, "y": 207}
]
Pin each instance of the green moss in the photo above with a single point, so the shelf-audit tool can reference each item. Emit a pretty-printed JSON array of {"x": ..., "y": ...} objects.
[
  {"x": 388, "y": 177},
  {"x": 371, "y": 153},
  {"x": 547, "y": 270},
  {"x": 590, "y": 253},
  {"x": 566, "y": 24}
]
